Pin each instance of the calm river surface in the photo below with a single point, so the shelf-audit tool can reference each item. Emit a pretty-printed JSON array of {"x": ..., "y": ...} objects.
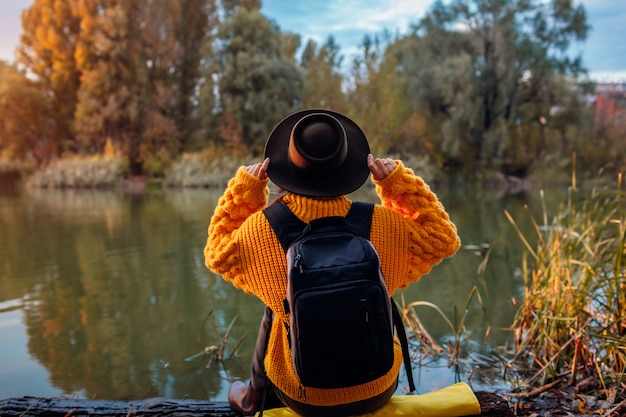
[{"x": 105, "y": 294}]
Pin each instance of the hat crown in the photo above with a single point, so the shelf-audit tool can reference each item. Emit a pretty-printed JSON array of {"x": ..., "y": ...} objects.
[
  {"x": 318, "y": 142},
  {"x": 317, "y": 153}
]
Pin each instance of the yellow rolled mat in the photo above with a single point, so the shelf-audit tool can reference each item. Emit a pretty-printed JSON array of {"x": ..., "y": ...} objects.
[{"x": 456, "y": 400}]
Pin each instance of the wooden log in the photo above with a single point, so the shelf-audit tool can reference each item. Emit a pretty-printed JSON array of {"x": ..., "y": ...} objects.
[
  {"x": 492, "y": 405},
  {"x": 67, "y": 406}
]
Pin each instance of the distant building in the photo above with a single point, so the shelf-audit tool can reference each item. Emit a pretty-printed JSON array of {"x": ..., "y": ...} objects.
[{"x": 609, "y": 101}]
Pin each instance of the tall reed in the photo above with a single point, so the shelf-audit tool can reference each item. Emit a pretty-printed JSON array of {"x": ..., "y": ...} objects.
[{"x": 571, "y": 322}]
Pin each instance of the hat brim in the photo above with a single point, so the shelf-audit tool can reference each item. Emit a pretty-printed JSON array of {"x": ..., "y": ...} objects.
[{"x": 344, "y": 180}]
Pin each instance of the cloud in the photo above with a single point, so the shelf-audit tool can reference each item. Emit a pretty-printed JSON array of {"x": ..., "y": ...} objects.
[
  {"x": 348, "y": 21},
  {"x": 372, "y": 16}
]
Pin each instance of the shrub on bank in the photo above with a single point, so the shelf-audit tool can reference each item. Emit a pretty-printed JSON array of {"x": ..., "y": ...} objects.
[
  {"x": 201, "y": 170},
  {"x": 205, "y": 169},
  {"x": 79, "y": 172}
]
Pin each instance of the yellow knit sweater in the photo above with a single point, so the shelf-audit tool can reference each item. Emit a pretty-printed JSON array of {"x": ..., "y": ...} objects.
[{"x": 411, "y": 232}]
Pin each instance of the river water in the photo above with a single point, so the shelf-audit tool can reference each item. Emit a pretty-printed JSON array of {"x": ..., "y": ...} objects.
[{"x": 104, "y": 294}]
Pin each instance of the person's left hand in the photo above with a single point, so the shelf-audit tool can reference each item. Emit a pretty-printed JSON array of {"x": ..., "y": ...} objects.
[
  {"x": 259, "y": 169},
  {"x": 380, "y": 167}
]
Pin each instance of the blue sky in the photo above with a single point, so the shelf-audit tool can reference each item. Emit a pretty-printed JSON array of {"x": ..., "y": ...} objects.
[{"x": 604, "y": 51}]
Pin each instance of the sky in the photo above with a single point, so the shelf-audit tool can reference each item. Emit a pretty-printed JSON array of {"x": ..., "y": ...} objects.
[{"x": 604, "y": 51}]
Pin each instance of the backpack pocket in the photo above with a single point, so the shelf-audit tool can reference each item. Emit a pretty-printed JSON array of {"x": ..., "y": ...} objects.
[{"x": 346, "y": 341}]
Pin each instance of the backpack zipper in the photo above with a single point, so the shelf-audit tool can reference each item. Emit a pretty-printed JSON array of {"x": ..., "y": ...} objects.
[
  {"x": 367, "y": 313},
  {"x": 297, "y": 262}
]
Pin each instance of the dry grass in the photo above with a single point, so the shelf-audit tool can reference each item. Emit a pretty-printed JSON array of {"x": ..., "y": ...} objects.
[
  {"x": 205, "y": 169},
  {"x": 210, "y": 168},
  {"x": 79, "y": 172},
  {"x": 571, "y": 323}
]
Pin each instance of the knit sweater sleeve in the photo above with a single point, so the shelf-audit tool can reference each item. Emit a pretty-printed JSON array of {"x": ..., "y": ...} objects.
[
  {"x": 412, "y": 229},
  {"x": 244, "y": 196}
]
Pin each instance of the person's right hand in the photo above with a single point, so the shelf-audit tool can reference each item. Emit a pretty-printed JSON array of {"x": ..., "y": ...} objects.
[
  {"x": 380, "y": 167},
  {"x": 259, "y": 169}
]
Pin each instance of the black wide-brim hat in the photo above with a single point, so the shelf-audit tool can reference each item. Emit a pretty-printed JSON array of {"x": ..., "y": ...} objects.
[{"x": 318, "y": 153}]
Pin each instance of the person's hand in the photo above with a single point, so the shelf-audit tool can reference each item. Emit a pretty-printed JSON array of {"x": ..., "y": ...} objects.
[
  {"x": 259, "y": 169},
  {"x": 380, "y": 167}
]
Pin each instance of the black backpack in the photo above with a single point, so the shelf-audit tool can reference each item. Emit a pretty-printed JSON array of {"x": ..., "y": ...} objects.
[{"x": 341, "y": 325}]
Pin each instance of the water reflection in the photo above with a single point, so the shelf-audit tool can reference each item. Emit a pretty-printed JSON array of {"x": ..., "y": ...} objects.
[
  {"x": 114, "y": 295},
  {"x": 114, "y": 290}
]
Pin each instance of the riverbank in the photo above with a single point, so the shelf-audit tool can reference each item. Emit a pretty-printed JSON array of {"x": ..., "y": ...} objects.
[{"x": 199, "y": 171}]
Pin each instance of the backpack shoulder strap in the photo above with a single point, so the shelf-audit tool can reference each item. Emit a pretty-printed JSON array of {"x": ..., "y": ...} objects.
[
  {"x": 404, "y": 343},
  {"x": 286, "y": 225},
  {"x": 359, "y": 218}
]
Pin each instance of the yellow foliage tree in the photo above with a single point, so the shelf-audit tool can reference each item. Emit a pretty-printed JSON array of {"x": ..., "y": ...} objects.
[{"x": 27, "y": 122}]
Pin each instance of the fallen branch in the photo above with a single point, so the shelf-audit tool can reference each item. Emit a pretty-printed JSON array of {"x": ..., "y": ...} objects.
[{"x": 543, "y": 389}]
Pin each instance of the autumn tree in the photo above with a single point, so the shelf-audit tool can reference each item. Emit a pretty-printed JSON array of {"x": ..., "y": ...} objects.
[
  {"x": 176, "y": 37},
  {"x": 323, "y": 81},
  {"x": 378, "y": 96},
  {"x": 290, "y": 44},
  {"x": 257, "y": 84},
  {"x": 112, "y": 99},
  {"x": 46, "y": 51},
  {"x": 27, "y": 125},
  {"x": 122, "y": 72},
  {"x": 194, "y": 25},
  {"x": 140, "y": 65},
  {"x": 483, "y": 69}
]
